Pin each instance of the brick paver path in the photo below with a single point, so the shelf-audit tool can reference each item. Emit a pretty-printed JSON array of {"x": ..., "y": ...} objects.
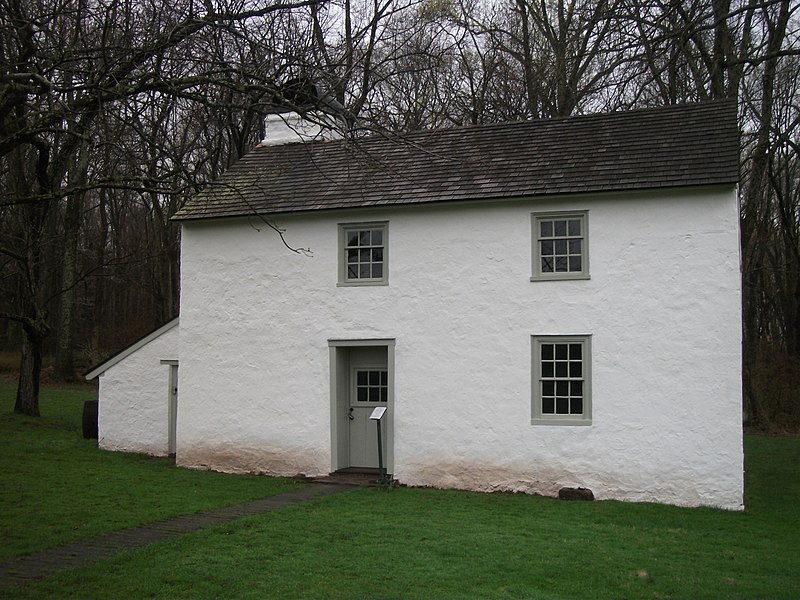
[{"x": 84, "y": 552}]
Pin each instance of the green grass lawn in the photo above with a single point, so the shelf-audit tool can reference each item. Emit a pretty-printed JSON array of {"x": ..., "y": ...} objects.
[
  {"x": 422, "y": 543},
  {"x": 58, "y": 487}
]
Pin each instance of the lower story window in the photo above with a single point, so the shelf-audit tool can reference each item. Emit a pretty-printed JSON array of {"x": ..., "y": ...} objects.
[{"x": 561, "y": 380}]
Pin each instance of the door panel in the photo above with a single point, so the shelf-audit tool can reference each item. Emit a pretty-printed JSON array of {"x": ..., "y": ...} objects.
[
  {"x": 172, "y": 410},
  {"x": 369, "y": 389}
]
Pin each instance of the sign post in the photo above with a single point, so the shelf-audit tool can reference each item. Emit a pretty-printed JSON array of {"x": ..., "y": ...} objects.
[{"x": 377, "y": 416}]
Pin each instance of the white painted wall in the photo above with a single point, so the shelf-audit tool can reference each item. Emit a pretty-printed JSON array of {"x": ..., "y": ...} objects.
[
  {"x": 662, "y": 306},
  {"x": 133, "y": 395}
]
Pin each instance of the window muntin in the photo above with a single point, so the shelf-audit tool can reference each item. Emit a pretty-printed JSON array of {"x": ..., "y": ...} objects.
[
  {"x": 560, "y": 243},
  {"x": 363, "y": 254},
  {"x": 561, "y": 382},
  {"x": 372, "y": 385}
]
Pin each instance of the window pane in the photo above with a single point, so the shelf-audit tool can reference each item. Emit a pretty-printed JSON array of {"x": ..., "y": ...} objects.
[
  {"x": 361, "y": 378},
  {"x": 562, "y": 388},
  {"x": 363, "y": 238},
  {"x": 377, "y": 255},
  {"x": 547, "y": 229},
  {"x": 562, "y": 406},
  {"x": 574, "y": 263},
  {"x": 548, "y": 406},
  {"x": 547, "y": 351},
  {"x": 352, "y": 256},
  {"x": 561, "y": 246},
  {"x": 561, "y": 264},
  {"x": 377, "y": 271},
  {"x": 352, "y": 272},
  {"x": 547, "y": 265},
  {"x": 377, "y": 237},
  {"x": 548, "y": 388},
  {"x": 374, "y": 394},
  {"x": 575, "y": 369},
  {"x": 362, "y": 394},
  {"x": 364, "y": 255},
  {"x": 363, "y": 272},
  {"x": 547, "y": 369},
  {"x": 560, "y": 228},
  {"x": 352, "y": 238},
  {"x": 575, "y": 351},
  {"x": 384, "y": 378},
  {"x": 575, "y": 246},
  {"x": 561, "y": 351},
  {"x": 576, "y": 406},
  {"x": 374, "y": 377},
  {"x": 546, "y": 247},
  {"x": 561, "y": 369},
  {"x": 574, "y": 227},
  {"x": 576, "y": 388}
]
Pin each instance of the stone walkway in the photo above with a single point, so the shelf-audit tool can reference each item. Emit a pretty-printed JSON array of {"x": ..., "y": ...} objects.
[{"x": 43, "y": 564}]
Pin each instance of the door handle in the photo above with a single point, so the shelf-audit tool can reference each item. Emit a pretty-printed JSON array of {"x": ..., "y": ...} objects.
[{"x": 350, "y": 414}]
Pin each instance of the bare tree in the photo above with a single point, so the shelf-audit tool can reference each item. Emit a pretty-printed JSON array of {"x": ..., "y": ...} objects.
[{"x": 63, "y": 64}]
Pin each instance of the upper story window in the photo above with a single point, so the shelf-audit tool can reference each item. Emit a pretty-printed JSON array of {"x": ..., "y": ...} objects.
[
  {"x": 561, "y": 380},
  {"x": 560, "y": 246},
  {"x": 363, "y": 254}
]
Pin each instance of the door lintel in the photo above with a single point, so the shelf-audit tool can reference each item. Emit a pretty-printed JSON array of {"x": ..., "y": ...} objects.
[{"x": 339, "y": 343}]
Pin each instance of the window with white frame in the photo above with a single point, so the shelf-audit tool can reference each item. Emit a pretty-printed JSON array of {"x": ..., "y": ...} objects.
[
  {"x": 561, "y": 380},
  {"x": 560, "y": 246},
  {"x": 363, "y": 254}
]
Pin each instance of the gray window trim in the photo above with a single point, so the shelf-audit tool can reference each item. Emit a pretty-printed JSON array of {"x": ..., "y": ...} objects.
[
  {"x": 343, "y": 229},
  {"x": 537, "y": 274},
  {"x": 537, "y": 418}
]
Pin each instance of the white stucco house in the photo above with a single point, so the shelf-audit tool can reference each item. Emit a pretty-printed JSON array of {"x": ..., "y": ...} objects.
[{"x": 537, "y": 305}]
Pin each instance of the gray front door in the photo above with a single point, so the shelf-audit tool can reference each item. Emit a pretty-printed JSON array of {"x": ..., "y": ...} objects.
[{"x": 369, "y": 388}]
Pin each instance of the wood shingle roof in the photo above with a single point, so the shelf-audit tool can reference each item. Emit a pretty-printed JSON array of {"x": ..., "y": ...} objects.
[{"x": 682, "y": 145}]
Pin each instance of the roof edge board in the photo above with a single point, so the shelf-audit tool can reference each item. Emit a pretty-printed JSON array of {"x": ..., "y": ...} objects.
[{"x": 128, "y": 350}]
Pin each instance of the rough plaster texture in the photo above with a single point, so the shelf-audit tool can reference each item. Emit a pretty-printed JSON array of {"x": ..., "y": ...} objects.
[
  {"x": 662, "y": 306},
  {"x": 133, "y": 399}
]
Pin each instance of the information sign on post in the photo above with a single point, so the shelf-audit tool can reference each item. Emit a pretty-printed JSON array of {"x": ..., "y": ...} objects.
[{"x": 377, "y": 415}]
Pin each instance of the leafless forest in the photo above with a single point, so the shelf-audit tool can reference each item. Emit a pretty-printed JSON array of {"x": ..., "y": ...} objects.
[{"x": 114, "y": 112}]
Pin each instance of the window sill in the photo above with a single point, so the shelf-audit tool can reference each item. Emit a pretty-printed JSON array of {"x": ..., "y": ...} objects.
[
  {"x": 561, "y": 422},
  {"x": 566, "y": 277},
  {"x": 360, "y": 283}
]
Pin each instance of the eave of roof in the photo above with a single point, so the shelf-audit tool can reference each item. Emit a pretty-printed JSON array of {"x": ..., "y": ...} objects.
[
  {"x": 673, "y": 146},
  {"x": 128, "y": 350}
]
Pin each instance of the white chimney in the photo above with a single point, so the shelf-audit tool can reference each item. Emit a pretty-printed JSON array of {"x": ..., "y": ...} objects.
[{"x": 291, "y": 128}]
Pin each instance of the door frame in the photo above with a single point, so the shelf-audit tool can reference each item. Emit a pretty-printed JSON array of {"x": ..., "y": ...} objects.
[
  {"x": 339, "y": 351},
  {"x": 172, "y": 407}
]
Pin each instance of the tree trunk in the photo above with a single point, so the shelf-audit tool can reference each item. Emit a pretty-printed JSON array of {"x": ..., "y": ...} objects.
[
  {"x": 30, "y": 371},
  {"x": 65, "y": 353},
  {"x": 758, "y": 211}
]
